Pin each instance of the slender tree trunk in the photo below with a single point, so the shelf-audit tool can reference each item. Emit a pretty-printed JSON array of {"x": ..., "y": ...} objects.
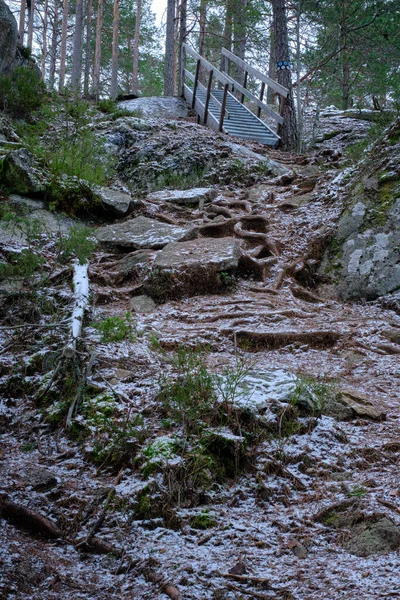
[
  {"x": 97, "y": 52},
  {"x": 76, "y": 71},
  {"x": 298, "y": 80},
  {"x": 169, "y": 51},
  {"x": 176, "y": 41},
  {"x": 239, "y": 35},
  {"x": 288, "y": 130},
  {"x": 271, "y": 65},
  {"x": 202, "y": 37},
  {"x": 31, "y": 16},
  {"x": 87, "y": 47},
  {"x": 135, "y": 68},
  {"x": 114, "y": 66},
  {"x": 21, "y": 28},
  {"x": 63, "y": 45},
  {"x": 44, "y": 38},
  {"x": 53, "y": 47},
  {"x": 182, "y": 40},
  {"x": 227, "y": 36}
]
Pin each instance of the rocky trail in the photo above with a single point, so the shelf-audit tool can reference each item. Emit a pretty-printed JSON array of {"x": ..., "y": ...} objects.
[{"x": 235, "y": 424}]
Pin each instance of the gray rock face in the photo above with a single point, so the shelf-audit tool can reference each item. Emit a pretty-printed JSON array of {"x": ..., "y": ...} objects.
[
  {"x": 221, "y": 253},
  {"x": 143, "y": 304},
  {"x": 179, "y": 154},
  {"x": 143, "y": 233},
  {"x": 365, "y": 255},
  {"x": 158, "y": 108},
  {"x": 40, "y": 479},
  {"x": 185, "y": 197},
  {"x": 20, "y": 174},
  {"x": 8, "y": 38}
]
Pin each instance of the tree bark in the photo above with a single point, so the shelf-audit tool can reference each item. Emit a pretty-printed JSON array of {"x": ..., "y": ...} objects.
[
  {"x": 63, "y": 45},
  {"x": 87, "y": 47},
  {"x": 97, "y": 51},
  {"x": 44, "y": 39},
  {"x": 77, "y": 48},
  {"x": 239, "y": 35},
  {"x": 169, "y": 51},
  {"x": 135, "y": 68},
  {"x": 21, "y": 28},
  {"x": 288, "y": 131},
  {"x": 202, "y": 37},
  {"x": 31, "y": 16},
  {"x": 271, "y": 64},
  {"x": 182, "y": 40},
  {"x": 227, "y": 37},
  {"x": 53, "y": 47},
  {"x": 114, "y": 66}
]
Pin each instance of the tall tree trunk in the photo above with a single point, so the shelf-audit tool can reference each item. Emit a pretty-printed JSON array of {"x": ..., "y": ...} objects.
[
  {"x": 288, "y": 130},
  {"x": 76, "y": 71},
  {"x": 298, "y": 79},
  {"x": 271, "y": 65},
  {"x": 97, "y": 51},
  {"x": 114, "y": 66},
  {"x": 169, "y": 51},
  {"x": 87, "y": 47},
  {"x": 63, "y": 45},
  {"x": 227, "y": 36},
  {"x": 202, "y": 37},
  {"x": 239, "y": 35},
  {"x": 135, "y": 68},
  {"x": 176, "y": 39},
  {"x": 31, "y": 16},
  {"x": 53, "y": 46},
  {"x": 21, "y": 28},
  {"x": 44, "y": 38},
  {"x": 182, "y": 41}
]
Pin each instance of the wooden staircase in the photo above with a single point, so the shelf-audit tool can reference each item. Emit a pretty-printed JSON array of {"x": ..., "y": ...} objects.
[{"x": 221, "y": 110}]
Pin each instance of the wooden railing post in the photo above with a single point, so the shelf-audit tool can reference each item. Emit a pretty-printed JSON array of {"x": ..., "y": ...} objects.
[
  {"x": 208, "y": 96},
  {"x": 283, "y": 102},
  {"x": 223, "y": 107},
  {"x": 246, "y": 74},
  {"x": 196, "y": 80},
  {"x": 261, "y": 98}
]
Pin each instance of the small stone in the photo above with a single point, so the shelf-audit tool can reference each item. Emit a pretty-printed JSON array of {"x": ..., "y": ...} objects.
[
  {"x": 222, "y": 253},
  {"x": 361, "y": 405},
  {"x": 41, "y": 480},
  {"x": 143, "y": 304},
  {"x": 300, "y": 551},
  {"x": 114, "y": 201}
]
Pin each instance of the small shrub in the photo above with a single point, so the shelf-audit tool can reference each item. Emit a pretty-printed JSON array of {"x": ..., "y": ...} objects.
[
  {"x": 116, "y": 329},
  {"x": 21, "y": 92},
  {"x": 107, "y": 106},
  {"x": 203, "y": 520},
  {"x": 23, "y": 266},
  {"x": 78, "y": 243}
]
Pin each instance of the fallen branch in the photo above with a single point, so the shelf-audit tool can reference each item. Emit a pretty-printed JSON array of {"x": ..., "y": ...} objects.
[
  {"x": 389, "y": 505},
  {"x": 25, "y": 518}
]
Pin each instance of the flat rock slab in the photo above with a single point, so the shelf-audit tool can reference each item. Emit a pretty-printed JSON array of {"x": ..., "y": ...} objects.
[
  {"x": 221, "y": 253},
  {"x": 361, "y": 405},
  {"x": 378, "y": 537},
  {"x": 154, "y": 107},
  {"x": 142, "y": 232},
  {"x": 185, "y": 197}
]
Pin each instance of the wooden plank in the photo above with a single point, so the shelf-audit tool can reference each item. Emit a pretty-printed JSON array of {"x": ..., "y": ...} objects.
[
  {"x": 261, "y": 98},
  {"x": 221, "y": 119},
  {"x": 196, "y": 81},
  {"x": 209, "y": 67},
  {"x": 208, "y": 93},
  {"x": 256, "y": 73},
  {"x": 189, "y": 75},
  {"x": 260, "y": 104}
]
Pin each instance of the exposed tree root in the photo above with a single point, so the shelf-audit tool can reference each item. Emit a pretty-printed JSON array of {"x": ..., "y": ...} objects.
[
  {"x": 272, "y": 340},
  {"x": 220, "y": 229},
  {"x": 25, "y": 518}
]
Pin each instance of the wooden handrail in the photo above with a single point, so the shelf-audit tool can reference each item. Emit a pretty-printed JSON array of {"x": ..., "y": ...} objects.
[
  {"x": 224, "y": 79},
  {"x": 256, "y": 73}
]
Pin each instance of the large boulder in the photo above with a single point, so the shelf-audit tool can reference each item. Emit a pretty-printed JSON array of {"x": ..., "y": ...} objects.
[
  {"x": 202, "y": 266},
  {"x": 20, "y": 174},
  {"x": 157, "y": 155},
  {"x": 364, "y": 257},
  {"x": 8, "y": 39},
  {"x": 154, "y": 107}
]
